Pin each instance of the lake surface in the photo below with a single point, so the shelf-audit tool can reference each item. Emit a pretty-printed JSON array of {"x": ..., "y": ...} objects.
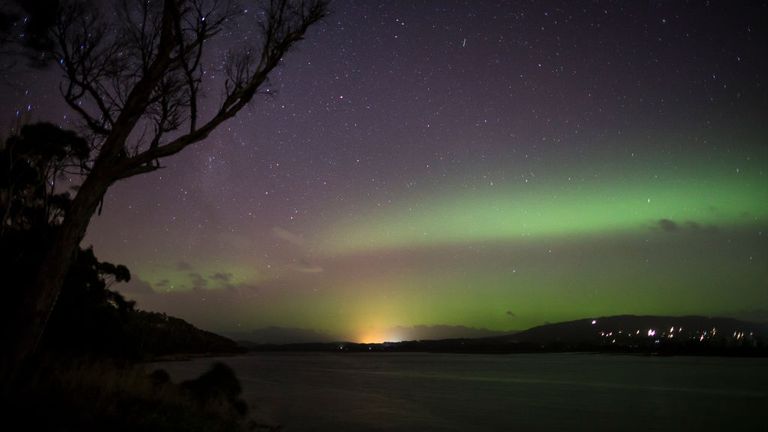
[{"x": 520, "y": 392}]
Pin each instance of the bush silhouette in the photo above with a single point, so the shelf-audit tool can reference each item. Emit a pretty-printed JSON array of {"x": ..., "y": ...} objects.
[{"x": 218, "y": 385}]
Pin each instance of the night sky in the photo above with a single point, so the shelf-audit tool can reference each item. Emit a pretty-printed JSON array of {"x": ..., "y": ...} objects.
[{"x": 459, "y": 166}]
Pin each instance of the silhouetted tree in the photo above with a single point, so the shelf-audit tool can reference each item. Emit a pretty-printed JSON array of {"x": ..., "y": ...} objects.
[
  {"x": 90, "y": 319},
  {"x": 31, "y": 205},
  {"x": 32, "y": 208},
  {"x": 134, "y": 76},
  {"x": 31, "y": 163},
  {"x": 218, "y": 383}
]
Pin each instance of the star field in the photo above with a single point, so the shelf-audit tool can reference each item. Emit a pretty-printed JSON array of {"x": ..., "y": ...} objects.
[{"x": 493, "y": 165}]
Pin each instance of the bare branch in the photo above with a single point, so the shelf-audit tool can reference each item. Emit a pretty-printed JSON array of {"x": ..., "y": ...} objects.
[
  {"x": 144, "y": 71},
  {"x": 285, "y": 24}
]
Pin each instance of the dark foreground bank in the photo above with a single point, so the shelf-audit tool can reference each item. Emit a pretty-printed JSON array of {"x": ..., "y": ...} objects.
[{"x": 84, "y": 395}]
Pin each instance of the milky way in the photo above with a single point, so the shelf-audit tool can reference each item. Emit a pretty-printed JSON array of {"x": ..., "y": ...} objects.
[{"x": 470, "y": 164}]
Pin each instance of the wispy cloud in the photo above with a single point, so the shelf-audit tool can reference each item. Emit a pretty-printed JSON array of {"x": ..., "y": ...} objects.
[
  {"x": 287, "y": 236},
  {"x": 305, "y": 266},
  {"x": 670, "y": 226}
]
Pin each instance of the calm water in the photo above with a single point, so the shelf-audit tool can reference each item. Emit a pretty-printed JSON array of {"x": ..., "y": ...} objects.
[{"x": 523, "y": 392}]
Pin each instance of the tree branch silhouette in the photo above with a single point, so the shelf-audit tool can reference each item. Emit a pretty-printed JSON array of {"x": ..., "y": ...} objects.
[{"x": 135, "y": 80}]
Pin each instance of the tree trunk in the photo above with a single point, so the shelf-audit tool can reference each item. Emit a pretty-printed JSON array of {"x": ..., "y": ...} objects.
[{"x": 27, "y": 324}]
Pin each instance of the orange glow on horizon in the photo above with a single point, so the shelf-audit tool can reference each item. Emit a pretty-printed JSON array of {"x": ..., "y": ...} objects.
[{"x": 373, "y": 335}]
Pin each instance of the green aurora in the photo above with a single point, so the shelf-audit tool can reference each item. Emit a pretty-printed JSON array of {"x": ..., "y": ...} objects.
[
  {"x": 476, "y": 166},
  {"x": 683, "y": 240},
  {"x": 701, "y": 197}
]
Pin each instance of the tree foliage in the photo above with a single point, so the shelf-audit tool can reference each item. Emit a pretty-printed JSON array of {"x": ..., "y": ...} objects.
[
  {"x": 33, "y": 207},
  {"x": 90, "y": 319},
  {"x": 133, "y": 72},
  {"x": 31, "y": 164},
  {"x": 32, "y": 203},
  {"x": 136, "y": 80}
]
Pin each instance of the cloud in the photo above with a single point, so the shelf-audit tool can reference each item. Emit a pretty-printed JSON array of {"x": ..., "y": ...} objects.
[
  {"x": 304, "y": 266},
  {"x": 693, "y": 225},
  {"x": 285, "y": 235},
  {"x": 668, "y": 225},
  {"x": 222, "y": 277},
  {"x": 300, "y": 265},
  {"x": 198, "y": 281},
  {"x": 199, "y": 305}
]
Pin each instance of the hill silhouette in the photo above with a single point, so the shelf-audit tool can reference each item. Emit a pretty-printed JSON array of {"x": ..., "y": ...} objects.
[
  {"x": 694, "y": 335},
  {"x": 633, "y": 329},
  {"x": 94, "y": 321}
]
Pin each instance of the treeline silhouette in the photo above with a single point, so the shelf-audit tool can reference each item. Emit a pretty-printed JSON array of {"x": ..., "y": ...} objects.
[
  {"x": 133, "y": 76},
  {"x": 90, "y": 319},
  {"x": 85, "y": 374}
]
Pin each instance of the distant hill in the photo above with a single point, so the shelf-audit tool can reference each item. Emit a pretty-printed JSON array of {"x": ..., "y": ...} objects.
[
  {"x": 130, "y": 335},
  {"x": 91, "y": 320},
  {"x": 159, "y": 334},
  {"x": 632, "y": 329},
  {"x": 623, "y": 333},
  {"x": 287, "y": 335},
  {"x": 279, "y": 335}
]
